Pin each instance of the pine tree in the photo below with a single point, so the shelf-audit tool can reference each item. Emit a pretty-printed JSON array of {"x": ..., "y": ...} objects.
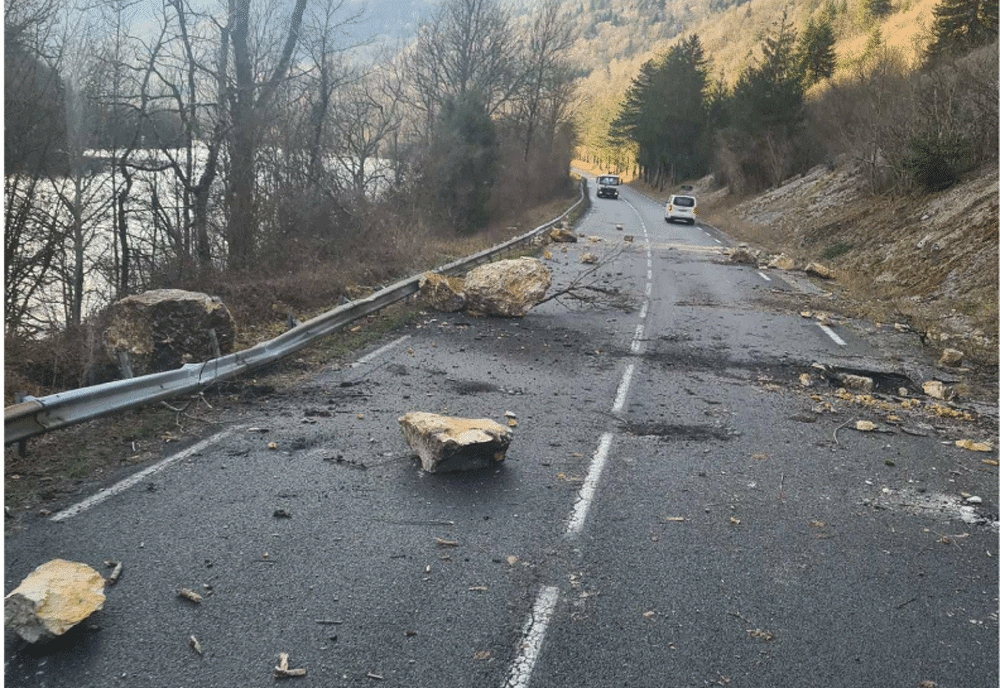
[
  {"x": 816, "y": 55},
  {"x": 878, "y": 8},
  {"x": 769, "y": 93},
  {"x": 665, "y": 115},
  {"x": 961, "y": 25}
]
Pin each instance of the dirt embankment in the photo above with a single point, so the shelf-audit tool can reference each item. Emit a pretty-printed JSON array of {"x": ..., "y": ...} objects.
[{"x": 929, "y": 261}]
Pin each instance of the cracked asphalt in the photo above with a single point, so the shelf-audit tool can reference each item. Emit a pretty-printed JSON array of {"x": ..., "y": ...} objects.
[{"x": 675, "y": 508}]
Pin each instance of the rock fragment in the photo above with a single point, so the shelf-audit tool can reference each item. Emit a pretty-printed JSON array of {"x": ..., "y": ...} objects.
[
  {"x": 951, "y": 357},
  {"x": 781, "y": 262},
  {"x": 507, "y": 288},
  {"x": 859, "y": 383},
  {"x": 743, "y": 256},
  {"x": 53, "y": 598},
  {"x": 935, "y": 389},
  {"x": 561, "y": 235},
  {"x": 455, "y": 444},
  {"x": 819, "y": 270}
]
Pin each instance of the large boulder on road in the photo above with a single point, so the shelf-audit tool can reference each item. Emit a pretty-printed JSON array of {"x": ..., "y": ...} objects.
[
  {"x": 56, "y": 596},
  {"x": 165, "y": 328},
  {"x": 507, "y": 287},
  {"x": 455, "y": 444},
  {"x": 445, "y": 294}
]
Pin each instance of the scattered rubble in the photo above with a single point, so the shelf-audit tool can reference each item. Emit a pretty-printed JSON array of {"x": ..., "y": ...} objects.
[
  {"x": 165, "y": 328},
  {"x": 507, "y": 288},
  {"x": 859, "y": 383},
  {"x": 53, "y": 598},
  {"x": 588, "y": 259},
  {"x": 455, "y": 444}
]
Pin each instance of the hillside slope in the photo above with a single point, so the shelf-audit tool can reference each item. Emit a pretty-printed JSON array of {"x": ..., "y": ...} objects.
[{"x": 927, "y": 261}]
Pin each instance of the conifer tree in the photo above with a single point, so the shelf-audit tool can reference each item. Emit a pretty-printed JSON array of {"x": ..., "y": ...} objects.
[
  {"x": 961, "y": 25},
  {"x": 816, "y": 55}
]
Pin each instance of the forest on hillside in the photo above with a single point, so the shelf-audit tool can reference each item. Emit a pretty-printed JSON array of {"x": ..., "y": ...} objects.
[{"x": 914, "y": 105}]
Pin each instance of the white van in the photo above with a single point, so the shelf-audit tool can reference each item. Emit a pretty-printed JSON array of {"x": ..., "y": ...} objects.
[{"x": 681, "y": 208}]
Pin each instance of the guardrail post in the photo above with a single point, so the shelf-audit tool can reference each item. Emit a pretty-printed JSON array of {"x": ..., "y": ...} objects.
[
  {"x": 125, "y": 365},
  {"x": 214, "y": 339},
  {"x": 22, "y": 446}
]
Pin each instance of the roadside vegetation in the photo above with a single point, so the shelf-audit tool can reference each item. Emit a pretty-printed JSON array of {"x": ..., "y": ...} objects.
[{"x": 251, "y": 152}]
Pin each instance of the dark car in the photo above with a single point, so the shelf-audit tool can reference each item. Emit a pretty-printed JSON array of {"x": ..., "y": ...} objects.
[{"x": 607, "y": 186}]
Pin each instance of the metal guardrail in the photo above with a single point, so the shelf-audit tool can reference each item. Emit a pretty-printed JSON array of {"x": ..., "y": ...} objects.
[{"x": 35, "y": 416}]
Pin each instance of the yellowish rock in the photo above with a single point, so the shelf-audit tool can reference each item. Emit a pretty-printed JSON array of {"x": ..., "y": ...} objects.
[
  {"x": 974, "y": 446},
  {"x": 507, "y": 288},
  {"x": 865, "y": 425},
  {"x": 442, "y": 293},
  {"x": 935, "y": 389},
  {"x": 455, "y": 444},
  {"x": 53, "y": 598}
]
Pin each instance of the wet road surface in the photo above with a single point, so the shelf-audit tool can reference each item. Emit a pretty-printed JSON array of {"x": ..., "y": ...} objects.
[{"x": 675, "y": 509}]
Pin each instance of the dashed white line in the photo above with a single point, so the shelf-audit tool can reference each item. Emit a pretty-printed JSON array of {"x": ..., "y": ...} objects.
[
  {"x": 379, "y": 351},
  {"x": 649, "y": 288},
  {"x": 623, "y": 388},
  {"x": 589, "y": 487},
  {"x": 644, "y": 311},
  {"x": 763, "y": 276},
  {"x": 832, "y": 335},
  {"x": 136, "y": 478},
  {"x": 532, "y": 636},
  {"x": 637, "y": 339}
]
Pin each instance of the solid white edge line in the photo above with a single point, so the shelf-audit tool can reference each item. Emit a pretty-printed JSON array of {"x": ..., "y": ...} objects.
[
  {"x": 586, "y": 496},
  {"x": 132, "y": 480},
  {"x": 832, "y": 335},
  {"x": 763, "y": 276},
  {"x": 531, "y": 638},
  {"x": 379, "y": 351}
]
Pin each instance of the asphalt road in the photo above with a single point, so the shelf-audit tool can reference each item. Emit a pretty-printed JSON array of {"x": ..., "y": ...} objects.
[{"x": 675, "y": 509}]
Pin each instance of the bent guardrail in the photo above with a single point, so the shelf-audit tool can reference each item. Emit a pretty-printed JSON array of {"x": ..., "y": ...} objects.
[{"x": 35, "y": 416}]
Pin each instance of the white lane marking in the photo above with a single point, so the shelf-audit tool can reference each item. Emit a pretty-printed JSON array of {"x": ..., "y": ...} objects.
[
  {"x": 649, "y": 274},
  {"x": 532, "y": 636},
  {"x": 649, "y": 288},
  {"x": 832, "y": 335},
  {"x": 763, "y": 276},
  {"x": 715, "y": 240},
  {"x": 379, "y": 351},
  {"x": 128, "y": 482},
  {"x": 637, "y": 339},
  {"x": 644, "y": 310},
  {"x": 589, "y": 487},
  {"x": 623, "y": 388}
]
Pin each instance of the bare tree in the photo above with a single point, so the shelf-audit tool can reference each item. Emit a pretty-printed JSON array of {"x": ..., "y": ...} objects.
[
  {"x": 466, "y": 46},
  {"x": 247, "y": 102},
  {"x": 546, "y": 76}
]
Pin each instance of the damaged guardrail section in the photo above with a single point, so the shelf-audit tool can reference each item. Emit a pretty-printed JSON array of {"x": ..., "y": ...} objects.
[{"x": 35, "y": 416}]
